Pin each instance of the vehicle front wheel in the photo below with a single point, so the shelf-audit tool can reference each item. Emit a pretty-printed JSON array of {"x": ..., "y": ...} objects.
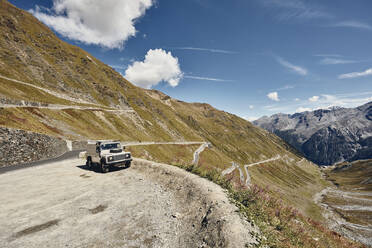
[
  {"x": 127, "y": 164},
  {"x": 104, "y": 167}
]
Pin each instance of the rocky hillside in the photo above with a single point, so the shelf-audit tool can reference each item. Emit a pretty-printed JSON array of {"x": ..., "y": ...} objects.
[{"x": 326, "y": 136}]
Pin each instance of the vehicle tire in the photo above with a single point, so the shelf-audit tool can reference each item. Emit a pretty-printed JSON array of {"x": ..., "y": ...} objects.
[
  {"x": 104, "y": 167},
  {"x": 88, "y": 164},
  {"x": 127, "y": 164}
]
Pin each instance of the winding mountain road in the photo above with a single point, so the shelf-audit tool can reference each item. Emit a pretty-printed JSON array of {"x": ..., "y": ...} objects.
[
  {"x": 61, "y": 96},
  {"x": 51, "y": 92},
  {"x": 62, "y": 107},
  {"x": 231, "y": 169},
  {"x": 196, "y": 156},
  {"x": 147, "y": 143},
  {"x": 247, "y": 180}
]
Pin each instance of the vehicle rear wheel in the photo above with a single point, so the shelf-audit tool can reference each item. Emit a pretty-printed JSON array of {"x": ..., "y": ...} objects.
[{"x": 89, "y": 163}]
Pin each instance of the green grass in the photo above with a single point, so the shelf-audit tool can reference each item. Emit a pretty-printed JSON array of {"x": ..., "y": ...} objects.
[
  {"x": 17, "y": 91},
  {"x": 168, "y": 154},
  {"x": 352, "y": 178}
]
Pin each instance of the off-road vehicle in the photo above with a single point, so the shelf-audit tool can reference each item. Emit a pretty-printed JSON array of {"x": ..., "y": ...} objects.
[{"x": 106, "y": 154}]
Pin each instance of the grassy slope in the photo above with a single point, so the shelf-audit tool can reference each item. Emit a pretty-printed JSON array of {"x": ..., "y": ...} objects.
[
  {"x": 30, "y": 52},
  {"x": 169, "y": 154},
  {"x": 353, "y": 178},
  {"x": 294, "y": 183}
]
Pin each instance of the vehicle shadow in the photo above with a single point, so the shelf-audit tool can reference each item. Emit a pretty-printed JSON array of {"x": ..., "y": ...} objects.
[{"x": 97, "y": 169}]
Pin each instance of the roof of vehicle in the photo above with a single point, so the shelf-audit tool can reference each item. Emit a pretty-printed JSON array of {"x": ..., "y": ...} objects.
[{"x": 110, "y": 142}]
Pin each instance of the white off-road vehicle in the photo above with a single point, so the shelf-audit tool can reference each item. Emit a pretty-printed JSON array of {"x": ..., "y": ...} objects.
[{"x": 106, "y": 154}]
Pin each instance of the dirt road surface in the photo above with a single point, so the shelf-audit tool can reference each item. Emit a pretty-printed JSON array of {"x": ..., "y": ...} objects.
[{"x": 62, "y": 204}]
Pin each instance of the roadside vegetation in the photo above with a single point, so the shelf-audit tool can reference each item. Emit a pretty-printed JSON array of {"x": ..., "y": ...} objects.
[
  {"x": 168, "y": 154},
  {"x": 281, "y": 225},
  {"x": 282, "y": 221}
]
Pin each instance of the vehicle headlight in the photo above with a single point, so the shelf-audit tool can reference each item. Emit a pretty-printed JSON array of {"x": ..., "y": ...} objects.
[
  {"x": 110, "y": 158},
  {"x": 128, "y": 155}
]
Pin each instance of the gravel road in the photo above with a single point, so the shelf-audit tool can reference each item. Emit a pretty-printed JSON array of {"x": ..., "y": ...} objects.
[
  {"x": 62, "y": 204},
  {"x": 65, "y": 156},
  {"x": 201, "y": 148},
  {"x": 247, "y": 181},
  {"x": 54, "y": 93},
  {"x": 62, "y": 107}
]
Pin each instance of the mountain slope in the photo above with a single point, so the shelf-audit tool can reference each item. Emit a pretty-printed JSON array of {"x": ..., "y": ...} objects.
[
  {"x": 326, "y": 136},
  {"x": 51, "y": 87},
  {"x": 31, "y": 53}
]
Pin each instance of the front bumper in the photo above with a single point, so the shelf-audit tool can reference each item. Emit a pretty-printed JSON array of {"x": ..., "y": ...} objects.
[{"x": 118, "y": 163}]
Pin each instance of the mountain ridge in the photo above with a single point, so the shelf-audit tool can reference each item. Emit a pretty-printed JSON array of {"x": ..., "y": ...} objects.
[{"x": 326, "y": 136}]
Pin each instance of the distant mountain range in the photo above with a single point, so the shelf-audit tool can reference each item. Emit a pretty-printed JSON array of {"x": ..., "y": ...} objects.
[{"x": 326, "y": 136}]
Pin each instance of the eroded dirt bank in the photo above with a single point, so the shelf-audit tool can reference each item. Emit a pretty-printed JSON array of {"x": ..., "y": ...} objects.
[{"x": 148, "y": 205}]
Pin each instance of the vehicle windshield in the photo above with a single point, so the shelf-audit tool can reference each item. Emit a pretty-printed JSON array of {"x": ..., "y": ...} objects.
[{"x": 110, "y": 146}]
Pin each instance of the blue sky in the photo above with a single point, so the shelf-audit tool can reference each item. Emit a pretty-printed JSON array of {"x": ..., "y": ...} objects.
[{"x": 247, "y": 57}]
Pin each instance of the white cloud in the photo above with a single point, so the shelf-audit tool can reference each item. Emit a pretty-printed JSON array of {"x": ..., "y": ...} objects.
[
  {"x": 158, "y": 66},
  {"x": 344, "y": 100},
  {"x": 335, "y": 61},
  {"x": 356, "y": 74},
  {"x": 208, "y": 79},
  {"x": 273, "y": 96},
  {"x": 297, "y": 69},
  {"x": 297, "y": 99},
  {"x": 204, "y": 50},
  {"x": 353, "y": 24},
  {"x": 106, "y": 23},
  {"x": 302, "y": 109},
  {"x": 314, "y": 98},
  {"x": 347, "y": 100},
  {"x": 251, "y": 107}
]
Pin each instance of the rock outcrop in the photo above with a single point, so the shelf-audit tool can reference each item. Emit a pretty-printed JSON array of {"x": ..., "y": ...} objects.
[{"x": 18, "y": 146}]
